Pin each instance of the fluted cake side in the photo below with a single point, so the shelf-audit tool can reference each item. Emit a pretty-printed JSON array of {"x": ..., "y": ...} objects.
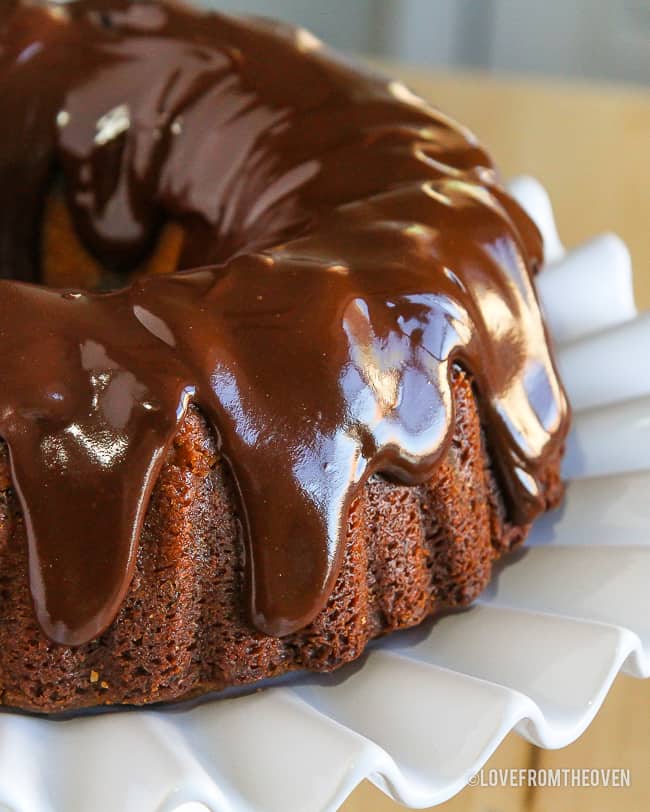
[{"x": 411, "y": 551}]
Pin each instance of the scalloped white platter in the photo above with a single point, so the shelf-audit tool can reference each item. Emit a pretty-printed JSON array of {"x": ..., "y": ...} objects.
[{"x": 426, "y": 708}]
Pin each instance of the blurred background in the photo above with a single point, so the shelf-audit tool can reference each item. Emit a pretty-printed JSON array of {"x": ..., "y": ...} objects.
[{"x": 595, "y": 39}]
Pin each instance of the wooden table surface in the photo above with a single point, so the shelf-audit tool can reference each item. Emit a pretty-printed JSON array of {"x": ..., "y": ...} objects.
[{"x": 590, "y": 147}]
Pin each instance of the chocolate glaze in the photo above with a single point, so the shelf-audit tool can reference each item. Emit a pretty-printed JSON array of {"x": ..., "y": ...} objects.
[{"x": 358, "y": 243}]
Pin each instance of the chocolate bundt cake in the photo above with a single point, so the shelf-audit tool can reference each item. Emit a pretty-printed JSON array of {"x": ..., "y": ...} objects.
[{"x": 273, "y": 375}]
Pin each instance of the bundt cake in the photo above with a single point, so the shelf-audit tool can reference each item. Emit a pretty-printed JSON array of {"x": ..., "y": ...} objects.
[{"x": 274, "y": 377}]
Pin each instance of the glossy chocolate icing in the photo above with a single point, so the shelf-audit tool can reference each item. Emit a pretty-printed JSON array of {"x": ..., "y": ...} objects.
[{"x": 358, "y": 245}]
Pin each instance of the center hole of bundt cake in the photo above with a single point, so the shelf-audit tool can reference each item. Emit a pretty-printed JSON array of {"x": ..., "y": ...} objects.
[{"x": 65, "y": 262}]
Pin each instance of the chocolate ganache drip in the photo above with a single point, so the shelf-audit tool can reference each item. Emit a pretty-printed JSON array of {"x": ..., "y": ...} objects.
[{"x": 352, "y": 244}]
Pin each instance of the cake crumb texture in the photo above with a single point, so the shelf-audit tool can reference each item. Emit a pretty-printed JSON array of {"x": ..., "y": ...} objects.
[{"x": 184, "y": 630}]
